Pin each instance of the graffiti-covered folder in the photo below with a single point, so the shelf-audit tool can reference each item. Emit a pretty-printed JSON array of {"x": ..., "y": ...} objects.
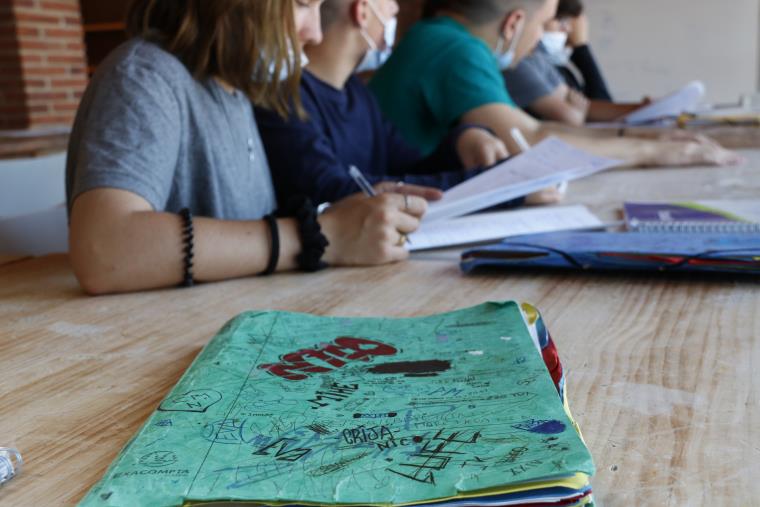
[{"x": 457, "y": 409}]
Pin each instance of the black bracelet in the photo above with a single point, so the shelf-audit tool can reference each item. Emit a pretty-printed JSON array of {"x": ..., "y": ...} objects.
[
  {"x": 274, "y": 256},
  {"x": 188, "y": 240},
  {"x": 313, "y": 242}
]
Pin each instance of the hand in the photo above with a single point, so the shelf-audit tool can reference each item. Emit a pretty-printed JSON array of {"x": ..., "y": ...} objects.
[
  {"x": 399, "y": 187},
  {"x": 477, "y": 147},
  {"x": 365, "y": 231},
  {"x": 578, "y": 101},
  {"x": 551, "y": 195},
  {"x": 696, "y": 149},
  {"x": 578, "y": 35}
]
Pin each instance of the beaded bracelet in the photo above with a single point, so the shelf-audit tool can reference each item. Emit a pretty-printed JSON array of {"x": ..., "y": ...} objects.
[{"x": 188, "y": 240}]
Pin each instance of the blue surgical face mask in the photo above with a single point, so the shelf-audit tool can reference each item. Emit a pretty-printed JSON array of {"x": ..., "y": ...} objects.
[
  {"x": 375, "y": 57},
  {"x": 506, "y": 58},
  {"x": 555, "y": 44}
]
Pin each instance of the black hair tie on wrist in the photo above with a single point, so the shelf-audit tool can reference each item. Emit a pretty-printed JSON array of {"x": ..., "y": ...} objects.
[
  {"x": 313, "y": 242},
  {"x": 274, "y": 256},
  {"x": 188, "y": 240}
]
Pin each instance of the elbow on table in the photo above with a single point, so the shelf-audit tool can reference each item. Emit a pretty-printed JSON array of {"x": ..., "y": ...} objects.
[
  {"x": 570, "y": 117},
  {"x": 93, "y": 269}
]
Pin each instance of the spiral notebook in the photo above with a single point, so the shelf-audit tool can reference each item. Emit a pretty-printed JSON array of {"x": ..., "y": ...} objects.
[{"x": 730, "y": 217}]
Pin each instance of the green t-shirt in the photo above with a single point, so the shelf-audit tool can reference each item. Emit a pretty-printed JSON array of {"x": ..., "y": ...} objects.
[{"x": 437, "y": 73}]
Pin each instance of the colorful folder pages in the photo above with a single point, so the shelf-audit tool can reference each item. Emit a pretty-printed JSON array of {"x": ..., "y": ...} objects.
[
  {"x": 696, "y": 216},
  {"x": 456, "y": 409},
  {"x": 724, "y": 253}
]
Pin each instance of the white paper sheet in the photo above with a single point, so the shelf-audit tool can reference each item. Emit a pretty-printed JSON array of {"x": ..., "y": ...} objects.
[
  {"x": 547, "y": 164},
  {"x": 684, "y": 100},
  {"x": 484, "y": 227}
]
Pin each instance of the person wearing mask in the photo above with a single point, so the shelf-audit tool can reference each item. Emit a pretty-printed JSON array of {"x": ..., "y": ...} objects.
[
  {"x": 447, "y": 71},
  {"x": 570, "y": 50},
  {"x": 344, "y": 126},
  {"x": 167, "y": 180},
  {"x": 538, "y": 84}
]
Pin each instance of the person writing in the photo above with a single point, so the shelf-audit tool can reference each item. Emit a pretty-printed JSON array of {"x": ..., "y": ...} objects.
[
  {"x": 345, "y": 127},
  {"x": 167, "y": 179}
]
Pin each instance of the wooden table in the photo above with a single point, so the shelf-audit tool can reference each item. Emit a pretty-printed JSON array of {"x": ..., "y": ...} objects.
[{"x": 664, "y": 373}]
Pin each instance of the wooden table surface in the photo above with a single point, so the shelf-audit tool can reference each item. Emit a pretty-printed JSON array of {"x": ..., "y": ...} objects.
[{"x": 664, "y": 372}]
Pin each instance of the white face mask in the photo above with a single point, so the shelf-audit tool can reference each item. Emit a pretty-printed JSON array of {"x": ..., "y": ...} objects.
[
  {"x": 284, "y": 72},
  {"x": 507, "y": 59},
  {"x": 555, "y": 44},
  {"x": 375, "y": 57}
]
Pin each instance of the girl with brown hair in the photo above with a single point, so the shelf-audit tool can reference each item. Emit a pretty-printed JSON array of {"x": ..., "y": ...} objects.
[{"x": 167, "y": 180}]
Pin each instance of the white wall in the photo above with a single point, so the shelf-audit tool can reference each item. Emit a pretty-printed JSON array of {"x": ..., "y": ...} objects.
[{"x": 651, "y": 47}]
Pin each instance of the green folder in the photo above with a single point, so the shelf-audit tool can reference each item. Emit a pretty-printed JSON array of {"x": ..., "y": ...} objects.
[{"x": 285, "y": 408}]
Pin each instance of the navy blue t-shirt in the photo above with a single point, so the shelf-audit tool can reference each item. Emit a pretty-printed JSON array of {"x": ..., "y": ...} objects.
[{"x": 345, "y": 128}]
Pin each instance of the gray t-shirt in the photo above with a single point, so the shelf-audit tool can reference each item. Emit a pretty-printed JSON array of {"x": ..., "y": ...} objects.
[
  {"x": 145, "y": 125},
  {"x": 534, "y": 77}
]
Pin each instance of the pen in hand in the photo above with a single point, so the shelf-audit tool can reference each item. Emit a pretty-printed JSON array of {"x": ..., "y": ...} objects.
[
  {"x": 368, "y": 190},
  {"x": 361, "y": 181}
]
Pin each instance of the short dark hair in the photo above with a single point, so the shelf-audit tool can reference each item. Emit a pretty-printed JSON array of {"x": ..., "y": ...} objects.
[
  {"x": 331, "y": 11},
  {"x": 569, "y": 8},
  {"x": 477, "y": 11},
  {"x": 238, "y": 41}
]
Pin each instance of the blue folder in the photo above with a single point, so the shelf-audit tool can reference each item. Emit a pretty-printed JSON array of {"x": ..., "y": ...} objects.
[{"x": 723, "y": 253}]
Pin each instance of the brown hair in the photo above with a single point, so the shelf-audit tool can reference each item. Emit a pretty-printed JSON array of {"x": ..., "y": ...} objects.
[
  {"x": 569, "y": 9},
  {"x": 237, "y": 41}
]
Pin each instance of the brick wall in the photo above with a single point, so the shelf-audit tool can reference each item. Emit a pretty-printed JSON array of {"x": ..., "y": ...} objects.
[{"x": 42, "y": 63}]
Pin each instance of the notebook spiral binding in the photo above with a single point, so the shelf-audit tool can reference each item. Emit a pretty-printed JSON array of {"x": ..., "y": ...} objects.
[
  {"x": 9, "y": 469},
  {"x": 695, "y": 227}
]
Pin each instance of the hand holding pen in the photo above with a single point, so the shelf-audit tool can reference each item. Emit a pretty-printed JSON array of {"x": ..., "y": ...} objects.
[{"x": 408, "y": 192}]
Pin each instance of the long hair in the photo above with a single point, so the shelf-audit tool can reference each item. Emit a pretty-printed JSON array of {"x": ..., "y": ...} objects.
[{"x": 245, "y": 43}]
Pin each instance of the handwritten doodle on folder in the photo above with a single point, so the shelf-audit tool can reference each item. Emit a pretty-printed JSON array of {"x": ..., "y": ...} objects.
[{"x": 286, "y": 408}]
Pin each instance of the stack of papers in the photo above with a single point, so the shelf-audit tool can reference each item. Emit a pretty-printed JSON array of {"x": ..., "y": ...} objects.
[
  {"x": 485, "y": 227},
  {"x": 547, "y": 164},
  {"x": 663, "y": 112},
  {"x": 670, "y": 107},
  {"x": 456, "y": 409}
]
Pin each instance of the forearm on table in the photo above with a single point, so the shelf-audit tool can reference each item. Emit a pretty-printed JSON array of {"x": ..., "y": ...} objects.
[
  {"x": 501, "y": 119},
  {"x": 600, "y": 110},
  {"x": 634, "y": 152},
  {"x": 145, "y": 250}
]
